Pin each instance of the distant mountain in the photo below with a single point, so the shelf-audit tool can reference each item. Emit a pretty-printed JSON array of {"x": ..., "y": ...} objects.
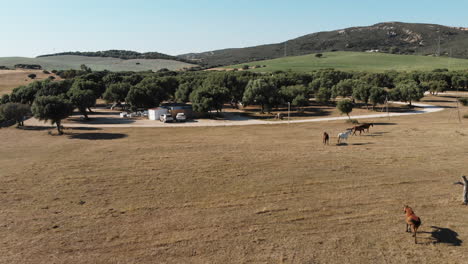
[
  {"x": 120, "y": 54},
  {"x": 390, "y": 37}
]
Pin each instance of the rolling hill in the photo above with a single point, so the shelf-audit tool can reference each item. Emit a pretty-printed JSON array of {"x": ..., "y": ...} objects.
[
  {"x": 65, "y": 62},
  {"x": 357, "y": 61},
  {"x": 390, "y": 37}
]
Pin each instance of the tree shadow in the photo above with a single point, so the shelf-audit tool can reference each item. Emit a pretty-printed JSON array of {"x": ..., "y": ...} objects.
[
  {"x": 83, "y": 128},
  {"x": 98, "y": 136},
  {"x": 445, "y": 236},
  {"x": 36, "y": 128},
  {"x": 103, "y": 121}
]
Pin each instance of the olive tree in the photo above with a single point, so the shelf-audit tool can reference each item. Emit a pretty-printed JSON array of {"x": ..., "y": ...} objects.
[
  {"x": 409, "y": 91},
  {"x": 260, "y": 92},
  {"x": 82, "y": 99},
  {"x": 345, "y": 107},
  {"x": 15, "y": 111},
  {"x": 53, "y": 108}
]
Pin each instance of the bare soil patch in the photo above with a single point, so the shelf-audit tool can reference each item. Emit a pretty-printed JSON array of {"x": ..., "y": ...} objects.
[
  {"x": 10, "y": 79},
  {"x": 253, "y": 194}
]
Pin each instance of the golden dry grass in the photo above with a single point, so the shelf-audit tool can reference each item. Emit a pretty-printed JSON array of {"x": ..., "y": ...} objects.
[
  {"x": 254, "y": 194},
  {"x": 10, "y": 79}
]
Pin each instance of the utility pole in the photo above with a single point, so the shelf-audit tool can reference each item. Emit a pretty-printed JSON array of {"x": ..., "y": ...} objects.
[{"x": 386, "y": 104}]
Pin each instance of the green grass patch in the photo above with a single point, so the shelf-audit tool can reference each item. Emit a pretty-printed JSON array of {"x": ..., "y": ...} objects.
[
  {"x": 357, "y": 61},
  {"x": 67, "y": 62}
]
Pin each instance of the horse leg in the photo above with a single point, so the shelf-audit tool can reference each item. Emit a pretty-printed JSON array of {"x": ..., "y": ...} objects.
[
  {"x": 407, "y": 228},
  {"x": 415, "y": 229}
]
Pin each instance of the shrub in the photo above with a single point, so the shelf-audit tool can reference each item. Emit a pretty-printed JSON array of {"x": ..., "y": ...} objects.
[
  {"x": 245, "y": 67},
  {"x": 318, "y": 55},
  {"x": 15, "y": 112},
  {"x": 45, "y": 72},
  {"x": 465, "y": 116},
  {"x": 463, "y": 101},
  {"x": 32, "y": 76},
  {"x": 352, "y": 121}
]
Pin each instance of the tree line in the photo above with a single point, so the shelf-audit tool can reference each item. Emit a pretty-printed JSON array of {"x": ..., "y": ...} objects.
[{"x": 210, "y": 91}]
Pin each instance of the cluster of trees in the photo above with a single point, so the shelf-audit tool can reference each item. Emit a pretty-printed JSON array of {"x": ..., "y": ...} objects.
[
  {"x": 120, "y": 54},
  {"x": 210, "y": 91}
]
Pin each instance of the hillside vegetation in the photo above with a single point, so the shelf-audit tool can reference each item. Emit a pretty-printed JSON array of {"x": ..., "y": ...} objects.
[
  {"x": 65, "y": 62},
  {"x": 357, "y": 61},
  {"x": 392, "y": 37},
  {"x": 119, "y": 54}
]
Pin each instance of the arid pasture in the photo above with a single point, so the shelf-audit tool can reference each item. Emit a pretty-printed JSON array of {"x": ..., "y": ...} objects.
[
  {"x": 253, "y": 194},
  {"x": 10, "y": 79}
]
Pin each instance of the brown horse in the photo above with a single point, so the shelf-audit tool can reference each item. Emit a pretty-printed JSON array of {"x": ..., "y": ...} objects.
[
  {"x": 358, "y": 128},
  {"x": 366, "y": 126},
  {"x": 326, "y": 138},
  {"x": 412, "y": 221}
]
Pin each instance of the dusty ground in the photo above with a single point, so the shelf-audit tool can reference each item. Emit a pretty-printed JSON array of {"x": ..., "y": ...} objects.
[
  {"x": 254, "y": 194},
  {"x": 10, "y": 79}
]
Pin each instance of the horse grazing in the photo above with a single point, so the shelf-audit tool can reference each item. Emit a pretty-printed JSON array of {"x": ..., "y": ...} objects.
[
  {"x": 344, "y": 136},
  {"x": 326, "y": 138},
  {"x": 412, "y": 221}
]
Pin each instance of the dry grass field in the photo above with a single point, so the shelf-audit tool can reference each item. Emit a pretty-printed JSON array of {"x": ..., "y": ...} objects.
[
  {"x": 10, "y": 79},
  {"x": 254, "y": 194}
]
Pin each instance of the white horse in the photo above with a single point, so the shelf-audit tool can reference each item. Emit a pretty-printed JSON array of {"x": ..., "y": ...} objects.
[{"x": 344, "y": 136}]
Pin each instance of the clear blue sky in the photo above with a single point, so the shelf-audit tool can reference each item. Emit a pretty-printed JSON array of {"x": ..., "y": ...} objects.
[{"x": 33, "y": 27}]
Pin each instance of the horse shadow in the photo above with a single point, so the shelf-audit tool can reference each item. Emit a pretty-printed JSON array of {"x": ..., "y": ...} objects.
[
  {"x": 441, "y": 235},
  {"x": 385, "y": 124},
  {"x": 362, "y": 144},
  {"x": 342, "y": 144}
]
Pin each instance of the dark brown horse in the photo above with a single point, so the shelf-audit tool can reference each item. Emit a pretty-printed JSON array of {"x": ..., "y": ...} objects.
[
  {"x": 412, "y": 221},
  {"x": 358, "y": 128},
  {"x": 366, "y": 126},
  {"x": 326, "y": 138}
]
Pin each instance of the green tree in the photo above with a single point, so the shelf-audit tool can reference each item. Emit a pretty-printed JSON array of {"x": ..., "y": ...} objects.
[
  {"x": 32, "y": 76},
  {"x": 323, "y": 95},
  {"x": 409, "y": 91},
  {"x": 182, "y": 94},
  {"x": 361, "y": 92},
  {"x": 209, "y": 97},
  {"x": 344, "y": 88},
  {"x": 460, "y": 81},
  {"x": 260, "y": 92},
  {"x": 147, "y": 93},
  {"x": 116, "y": 92},
  {"x": 377, "y": 95},
  {"x": 345, "y": 107},
  {"x": 82, "y": 99},
  {"x": 436, "y": 87},
  {"x": 25, "y": 94},
  {"x": 15, "y": 111},
  {"x": 297, "y": 95},
  {"x": 53, "y": 108},
  {"x": 5, "y": 99},
  {"x": 54, "y": 88}
]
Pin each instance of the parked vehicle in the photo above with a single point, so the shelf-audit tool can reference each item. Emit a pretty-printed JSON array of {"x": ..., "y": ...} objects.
[
  {"x": 166, "y": 118},
  {"x": 180, "y": 117}
]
